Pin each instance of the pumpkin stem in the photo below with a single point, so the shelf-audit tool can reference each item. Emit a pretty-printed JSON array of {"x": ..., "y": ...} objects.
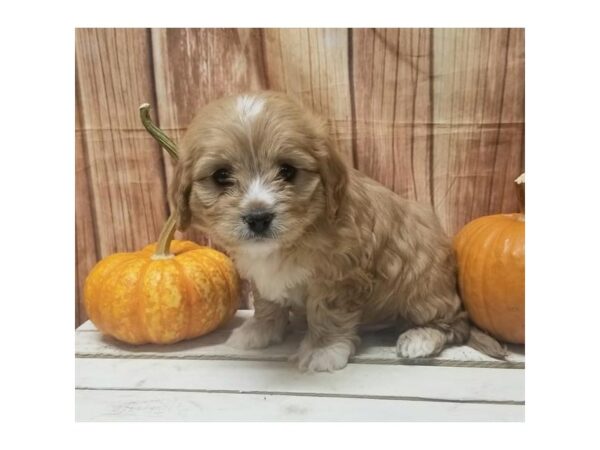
[
  {"x": 164, "y": 239},
  {"x": 158, "y": 134},
  {"x": 520, "y": 183},
  {"x": 168, "y": 231}
]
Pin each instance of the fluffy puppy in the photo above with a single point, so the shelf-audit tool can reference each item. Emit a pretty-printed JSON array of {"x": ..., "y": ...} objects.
[{"x": 262, "y": 177}]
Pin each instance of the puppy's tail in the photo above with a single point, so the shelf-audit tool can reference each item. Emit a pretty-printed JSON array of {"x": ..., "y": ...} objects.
[{"x": 484, "y": 343}]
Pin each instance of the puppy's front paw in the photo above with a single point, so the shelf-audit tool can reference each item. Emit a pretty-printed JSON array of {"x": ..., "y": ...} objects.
[
  {"x": 255, "y": 334},
  {"x": 322, "y": 359},
  {"x": 420, "y": 342}
]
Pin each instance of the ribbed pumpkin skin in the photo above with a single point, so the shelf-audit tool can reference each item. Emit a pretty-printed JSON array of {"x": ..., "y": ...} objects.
[
  {"x": 490, "y": 252},
  {"x": 139, "y": 300}
]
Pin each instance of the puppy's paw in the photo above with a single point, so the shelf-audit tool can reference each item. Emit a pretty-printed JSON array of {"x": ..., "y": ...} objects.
[
  {"x": 420, "y": 342},
  {"x": 255, "y": 334},
  {"x": 322, "y": 359}
]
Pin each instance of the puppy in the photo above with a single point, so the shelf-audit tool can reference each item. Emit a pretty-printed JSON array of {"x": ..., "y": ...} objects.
[{"x": 262, "y": 177}]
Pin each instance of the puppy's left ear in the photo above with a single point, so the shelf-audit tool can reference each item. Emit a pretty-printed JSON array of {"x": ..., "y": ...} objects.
[
  {"x": 180, "y": 190},
  {"x": 334, "y": 173}
]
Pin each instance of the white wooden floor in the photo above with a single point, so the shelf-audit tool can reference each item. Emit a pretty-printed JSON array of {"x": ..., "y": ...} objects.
[{"x": 205, "y": 380}]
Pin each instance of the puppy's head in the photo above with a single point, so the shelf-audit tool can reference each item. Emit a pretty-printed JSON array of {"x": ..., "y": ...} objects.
[{"x": 257, "y": 170}]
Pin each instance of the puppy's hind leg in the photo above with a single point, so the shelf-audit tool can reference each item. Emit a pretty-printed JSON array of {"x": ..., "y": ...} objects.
[{"x": 430, "y": 338}]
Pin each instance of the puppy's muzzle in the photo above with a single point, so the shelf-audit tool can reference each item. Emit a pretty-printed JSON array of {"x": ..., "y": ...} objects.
[{"x": 259, "y": 221}]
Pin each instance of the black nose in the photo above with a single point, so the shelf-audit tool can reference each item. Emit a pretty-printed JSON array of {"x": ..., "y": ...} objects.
[{"x": 258, "y": 221}]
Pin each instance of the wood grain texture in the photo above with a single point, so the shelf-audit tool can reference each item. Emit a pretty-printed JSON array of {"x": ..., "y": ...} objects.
[
  {"x": 312, "y": 66},
  {"x": 86, "y": 253},
  {"x": 422, "y": 382},
  {"x": 478, "y": 92},
  {"x": 192, "y": 67},
  {"x": 196, "y": 66},
  {"x": 392, "y": 108},
  {"x": 437, "y": 115},
  {"x": 125, "y": 165}
]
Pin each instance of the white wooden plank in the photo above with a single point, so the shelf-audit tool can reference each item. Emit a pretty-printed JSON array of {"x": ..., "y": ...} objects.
[
  {"x": 376, "y": 347},
  {"x": 236, "y": 321},
  {"x": 102, "y": 405},
  {"x": 86, "y": 326},
  {"x": 356, "y": 380}
]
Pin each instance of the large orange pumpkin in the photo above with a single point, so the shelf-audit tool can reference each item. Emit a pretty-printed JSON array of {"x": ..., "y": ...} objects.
[
  {"x": 161, "y": 297},
  {"x": 490, "y": 253}
]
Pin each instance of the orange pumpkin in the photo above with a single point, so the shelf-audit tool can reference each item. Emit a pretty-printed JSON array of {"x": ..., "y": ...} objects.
[
  {"x": 153, "y": 296},
  {"x": 490, "y": 253}
]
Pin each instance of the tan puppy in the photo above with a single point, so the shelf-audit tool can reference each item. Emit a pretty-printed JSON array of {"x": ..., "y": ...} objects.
[{"x": 262, "y": 177}]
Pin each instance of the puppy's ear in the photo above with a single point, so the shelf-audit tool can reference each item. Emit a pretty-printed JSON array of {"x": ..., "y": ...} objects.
[
  {"x": 179, "y": 192},
  {"x": 334, "y": 173}
]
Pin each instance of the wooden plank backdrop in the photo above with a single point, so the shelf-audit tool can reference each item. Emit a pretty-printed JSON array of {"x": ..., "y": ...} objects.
[{"x": 437, "y": 115}]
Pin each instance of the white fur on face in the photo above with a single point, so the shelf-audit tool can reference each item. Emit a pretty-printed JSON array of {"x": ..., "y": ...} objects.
[
  {"x": 248, "y": 106},
  {"x": 259, "y": 194}
]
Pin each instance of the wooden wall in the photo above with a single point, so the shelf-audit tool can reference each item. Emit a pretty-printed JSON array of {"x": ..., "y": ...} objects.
[{"x": 436, "y": 115}]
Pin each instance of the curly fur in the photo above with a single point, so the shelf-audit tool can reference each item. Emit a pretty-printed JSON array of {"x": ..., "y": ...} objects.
[{"x": 344, "y": 250}]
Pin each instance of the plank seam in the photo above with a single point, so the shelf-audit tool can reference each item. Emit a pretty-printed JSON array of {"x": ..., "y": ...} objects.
[
  {"x": 499, "y": 126},
  {"x": 352, "y": 98},
  {"x": 153, "y": 77},
  {"x": 84, "y": 148},
  {"x": 309, "y": 394},
  {"x": 375, "y": 361},
  {"x": 430, "y": 130},
  {"x": 263, "y": 55}
]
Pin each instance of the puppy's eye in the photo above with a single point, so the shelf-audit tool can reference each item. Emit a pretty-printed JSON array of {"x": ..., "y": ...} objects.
[
  {"x": 223, "y": 177},
  {"x": 287, "y": 172}
]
